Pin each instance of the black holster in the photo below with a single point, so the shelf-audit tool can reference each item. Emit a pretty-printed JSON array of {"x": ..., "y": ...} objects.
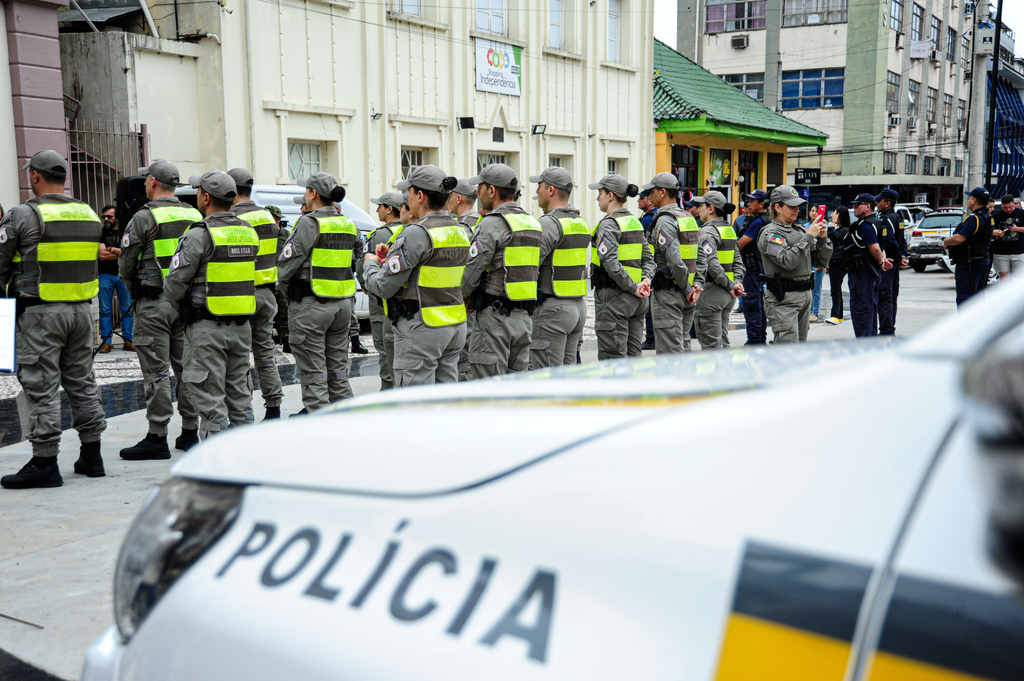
[
  {"x": 298, "y": 289},
  {"x": 774, "y": 284},
  {"x": 186, "y": 313},
  {"x": 664, "y": 281}
]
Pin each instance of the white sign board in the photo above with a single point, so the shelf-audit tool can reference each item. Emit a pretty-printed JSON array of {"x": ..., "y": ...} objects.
[
  {"x": 498, "y": 68},
  {"x": 920, "y": 49},
  {"x": 8, "y": 321}
]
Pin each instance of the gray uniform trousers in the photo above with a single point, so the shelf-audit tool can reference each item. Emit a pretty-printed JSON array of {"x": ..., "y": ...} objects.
[
  {"x": 160, "y": 345},
  {"x": 557, "y": 327},
  {"x": 500, "y": 344},
  {"x": 319, "y": 336},
  {"x": 712, "y": 318},
  {"x": 54, "y": 345},
  {"x": 217, "y": 374},
  {"x": 384, "y": 343},
  {"x": 619, "y": 322},
  {"x": 263, "y": 346},
  {"x": 671, "y": 321},
  {"x": 791, "y": 318},
  {"x": 353, "y": 327},
  {"x": 426, "y": 355},
  {"x": 465, "y": 368}
]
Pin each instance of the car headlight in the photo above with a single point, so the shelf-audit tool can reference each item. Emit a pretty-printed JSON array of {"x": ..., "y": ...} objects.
[{"x": 180, "y": 520}]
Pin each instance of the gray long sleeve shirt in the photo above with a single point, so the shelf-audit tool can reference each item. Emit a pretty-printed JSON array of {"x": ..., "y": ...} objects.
[
  {"x": 294, "y": 259},
  {"x": 791, "y": 251},
  {"x": 491, "y": 235},
  {"x": 411, "y": 248},
  {"x": 549, "y": 240},
  {"x": 194, "y": 250},
  {"x": 142, "y": 231},
  {"x": 709, "y": 267},
  {"x": 607, "y": 238},
  {"x": 665, "y": 233}
]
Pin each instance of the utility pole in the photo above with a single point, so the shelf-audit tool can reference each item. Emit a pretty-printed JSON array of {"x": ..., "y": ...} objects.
[
  {"x": 994, "y": 80},
  {"x": 979, "y": 94}
]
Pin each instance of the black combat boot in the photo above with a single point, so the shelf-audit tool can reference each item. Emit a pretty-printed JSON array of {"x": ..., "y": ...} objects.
[
  {"x": 358, "y": 347},
  {"x": 301, "y": 413},
  {"x": 188, "y": 438},
  {"x": 90, "y": 462},
  {"x": 272, "y": 413},
  {"x": 149, "y": 448},
  {"x": 41, "y": 471}
]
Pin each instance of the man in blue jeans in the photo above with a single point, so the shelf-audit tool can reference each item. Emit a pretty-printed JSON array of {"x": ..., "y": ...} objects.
[{"x": 110, "y": 248}]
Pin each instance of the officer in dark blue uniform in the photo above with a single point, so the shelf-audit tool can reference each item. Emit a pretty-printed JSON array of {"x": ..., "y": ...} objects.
[
  {"x": 895, "y": 248},
  {"x": 865, "y": 264},
  {"x": 969, "y": 244},
  {"x": 753, "y": 300},
  {"x": 647, "y": 219}
]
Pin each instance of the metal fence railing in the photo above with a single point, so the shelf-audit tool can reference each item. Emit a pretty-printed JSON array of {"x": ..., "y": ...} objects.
[{"x": 101, "y": 153}]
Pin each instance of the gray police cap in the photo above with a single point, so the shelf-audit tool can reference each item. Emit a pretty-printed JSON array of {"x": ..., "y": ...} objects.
[
  {"x": 613, "y": 182},
  {"x": 49, "y": 162},
  {"x": 322, "y": 183},
  {"x": 663, "y": 181},
  {"x": 787, "y": 195},
  {"x": 428, "y": 178},
  {"x": 715, "y": 198},
  {"x": 496, "y": 175},
  {"x": 393, "y": 199},
  {"x": 299, "y": 199},
  {"x": 557, "y": 177},
  {"x": 216, "y": 183},
  {"x": 241, "y": 176},
  {"x": 466, "y": 189},
  {"x": 163, "y": 171}
]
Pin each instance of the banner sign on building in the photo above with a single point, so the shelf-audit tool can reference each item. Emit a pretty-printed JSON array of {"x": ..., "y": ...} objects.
[
  {"x": 919, "y": 49},
  {"x": 807, "y": 176},
  {"x": 498, "y": 68}
]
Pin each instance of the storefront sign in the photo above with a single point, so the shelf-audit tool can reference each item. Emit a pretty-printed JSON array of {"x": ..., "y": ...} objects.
[
  {"x": 807, "y": 176},
  {"x": 498, "y": 68}
]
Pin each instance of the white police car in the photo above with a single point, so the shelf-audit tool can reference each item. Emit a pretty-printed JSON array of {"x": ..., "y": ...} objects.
[{"x": 730, "y": 515}]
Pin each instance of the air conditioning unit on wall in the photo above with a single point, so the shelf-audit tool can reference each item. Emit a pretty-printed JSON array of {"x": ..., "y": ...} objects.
[
  {"x": 912, "y": 123},
  {"x": 894, "y": 120},
  {"x": 740, "y": 42}
]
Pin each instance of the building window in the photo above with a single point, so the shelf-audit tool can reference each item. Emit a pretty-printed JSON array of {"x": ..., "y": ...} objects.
[
  {"x": 961, "y": 114},
  {"x": 614, "y": 29},
  {"x": 958, "y": 168},
  {"x": 929, "y": 165},
  {"x": 896, "y": 15},
  {"x": 944, "y": 167},
  {"x": 490, "y": 16},
  {"x": 556, "y": 161},
  {"x": 484, "y": 159},
  {"x": 947, "y": 110},
  {"x": 936, "y": 33},
  {"x": 892, "y": 93},
  {"x": 751, "y": 84},
  {"x": 965, "y": 52},
  {"x": 931, "y": 103},
  {"x": 410, "y": 159},
  {"x": 684, "y": 165},
  {"x": 889, "y": 162},
  {"x": 951, "y": 45},
  {"x": 303, "y": 159},
  {"x": 910, "y": 167},
  {"x": 413, "y": 7},
  {"x": 556, "y": 24},
  {"x": 813, "y": 12},
  {"x": 748, "y": 169},
  {"x": 728, "y": 15},
  {"x": 613, "y": 165},
  {"x": 917, "y": 22},
  {"x": 812, "y": 89},
  {"x": 913, "y": 98}
]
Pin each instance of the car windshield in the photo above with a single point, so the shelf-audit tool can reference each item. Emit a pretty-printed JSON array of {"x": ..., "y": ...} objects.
[{"x": 940, "y": 221}]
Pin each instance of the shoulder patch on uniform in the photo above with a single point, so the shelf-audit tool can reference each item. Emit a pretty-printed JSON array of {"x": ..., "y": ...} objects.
[
  {"x": 126, "y": 240},
  {"x": 395, "y": 264},
  {"x": 708, "y": 248},
  {"x": 777, "y": 239},
  {"x": 662, "y": 240},
  {"x": 3, "y": 235},
  {"x": 175, "y": 262},
  {"x": 603, "y": 247},
  {"x": 287, "y": 252},
  {"x": 473, "y": 250}
]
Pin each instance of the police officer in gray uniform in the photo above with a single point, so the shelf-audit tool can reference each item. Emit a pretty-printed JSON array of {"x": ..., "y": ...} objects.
[
  {"x": 389, "y": 211},
  {"x": 789, "y": 255},
  {"x": 503, "y": 293},
  {"x": 719, "y": 271},
  {"x": 561, "y": 310},
  {"x": 54, "y": 325},
  {"x": 317, "y": 266},
  {"x": 421, "y": 278},
  {"x": 212, "y": 281},
  {"x": 461, "y": 203},
  {"x": 266, "y": 284},
  {"x": 148, "y": 244}
]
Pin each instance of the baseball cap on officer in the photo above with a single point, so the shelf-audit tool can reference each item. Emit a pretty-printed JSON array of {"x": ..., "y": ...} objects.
[
  {"x": 786, "y": 195},
  {"x": 466, "y": 189},
  {"x": 662, "y": 181},
  {"x": 216, "y": 183},
  {"x": 715, "y": 198},
  {"x": 428, "y": 178},
  {"x": 241, "y": 176},
  {"x": 559, "y": 178},
  {"x": 981, "y": 195},
  {"x": 393, "y": 199},
  {"x": 496, "y": 175},
  {"x": 613, "y": 182},
  {"x": 888, "y": 194},
  {"x": 49, "y": 162},
  {"x": 864, "y": 197},
  {"x": 163, "y": 171},
  {"x": 757, "y": 195},
  {"x": 325, "y": 185}
]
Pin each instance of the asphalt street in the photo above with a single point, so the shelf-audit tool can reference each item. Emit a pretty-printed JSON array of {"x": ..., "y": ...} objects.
[{"x": 58, "y": 547}]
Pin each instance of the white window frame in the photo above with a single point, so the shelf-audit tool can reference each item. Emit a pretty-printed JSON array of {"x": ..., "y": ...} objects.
[
  {"x": 307, "y": 164},
  {"x": 410, "y": 158},
  {"x": 910, "y": 164},
  {"x": 896, "y": 11},
  {"x": 410, "y": 7},
  {"x": 556, "y": 24},
  {"x": 485, "y": 158},
  {"x": 492, "y": 16},
  {"x": 615, "y": 31}
]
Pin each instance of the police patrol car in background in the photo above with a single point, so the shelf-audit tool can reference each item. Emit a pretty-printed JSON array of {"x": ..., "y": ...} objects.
[{"x": 608, "y": 521}]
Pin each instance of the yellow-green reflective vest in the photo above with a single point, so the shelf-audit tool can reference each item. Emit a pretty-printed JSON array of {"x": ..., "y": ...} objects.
[
  {"x": 395, "y": 231},
  {"x": 68, "y": 252},
  {"x": 266, "y": 257},
  {"x": 631, "y": 247},
  {"x": 689, "y": 238},
  {"x": 230, "y": 288},
  {"x": 521, "y": 258},
  {"x": 437, "y": 283},
  {"x": 171, "y": 224},
  {"x": 330, "y": 263},
  {"x": 727, "y": 249},
  {"x": 569, "y": 259}
]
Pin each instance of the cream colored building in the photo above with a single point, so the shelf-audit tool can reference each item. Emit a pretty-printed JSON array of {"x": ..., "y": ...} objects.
[{"x": 366, "y": 90}]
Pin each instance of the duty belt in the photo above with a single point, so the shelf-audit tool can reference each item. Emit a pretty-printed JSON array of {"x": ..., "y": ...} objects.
[
  {"x": 151, "y": 292},
  {"x": 202, "y": 314},
  {"x": 797, "y": 284},
  {"x": 664, "y": 280},
  {"x": 504, "y": 306},
  {"x": 402, "y": 308},
  {"x": 272, "y": 285}
]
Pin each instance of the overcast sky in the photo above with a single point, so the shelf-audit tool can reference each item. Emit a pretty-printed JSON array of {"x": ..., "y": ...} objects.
[{"x": 665, "y": 23}]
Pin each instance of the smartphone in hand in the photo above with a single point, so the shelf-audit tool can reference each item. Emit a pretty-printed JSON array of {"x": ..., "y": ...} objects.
[{"x": 821, "y": 212}]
